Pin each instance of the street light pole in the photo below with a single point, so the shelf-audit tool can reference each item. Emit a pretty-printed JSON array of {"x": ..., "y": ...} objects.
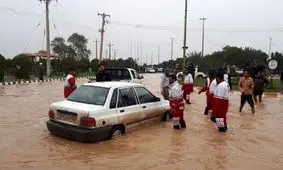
[
  {"x": 202, "y": 46},
  {"x": 172, "y": 46},
  {"x": 185, "y": 35}
]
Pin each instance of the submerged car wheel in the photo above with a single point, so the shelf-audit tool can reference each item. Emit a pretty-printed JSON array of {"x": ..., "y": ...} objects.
[{"x": 117, "y": 131}]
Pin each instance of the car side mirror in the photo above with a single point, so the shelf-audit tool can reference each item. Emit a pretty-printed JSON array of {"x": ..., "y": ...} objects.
[{"x": 157, "y": 99}]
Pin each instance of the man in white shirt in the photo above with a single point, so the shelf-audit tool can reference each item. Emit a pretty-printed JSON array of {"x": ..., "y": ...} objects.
[
  {"x": 164, "y": 85},
  {"x": 221, "y": 102}
]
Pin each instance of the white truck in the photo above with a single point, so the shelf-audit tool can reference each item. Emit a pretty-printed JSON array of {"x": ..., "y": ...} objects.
[{"x": 123, "y": 74}]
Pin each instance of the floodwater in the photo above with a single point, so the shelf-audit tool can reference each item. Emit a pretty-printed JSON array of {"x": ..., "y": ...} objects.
[{"x": 252, "y": 141}]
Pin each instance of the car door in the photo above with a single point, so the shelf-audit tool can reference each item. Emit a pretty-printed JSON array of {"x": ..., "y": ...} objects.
[
  {"x": 150, "y": 106},
  {"x": 128, "y": 109}
]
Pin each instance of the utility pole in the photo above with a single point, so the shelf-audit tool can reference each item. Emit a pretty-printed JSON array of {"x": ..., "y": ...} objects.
[
  {"x": 106, "y": 54},
  {"x": 96, "y": 49},
  {"x": 102, "y": 30},
  {"x": 110, "y": 51},
  {"x": 141, "y": 55},
  {"x": 115, "y": 54},
  {"x": 269, "y": 49},
  {"x": 202, "y": 46},
  {"x": 185, "y": 35},
  {"x": 47, "y": 3},
  {"x": 172, "y": 46},
  {"x": 158, "y": 54},
  {"x": 152, "y": 59}
]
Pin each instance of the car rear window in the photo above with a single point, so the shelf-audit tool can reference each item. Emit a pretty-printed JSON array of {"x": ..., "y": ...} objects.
[{"x": 90, "y": 95}]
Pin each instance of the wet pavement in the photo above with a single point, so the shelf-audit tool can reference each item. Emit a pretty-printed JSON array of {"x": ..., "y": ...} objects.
[{"x": 252, "y": 141}]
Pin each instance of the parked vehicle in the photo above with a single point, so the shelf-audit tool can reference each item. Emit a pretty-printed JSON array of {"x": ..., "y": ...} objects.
[
  {"x": 150, "y": 70},
  {"x": 123, "y": 74},
  {"x": 102, "y": 110}
]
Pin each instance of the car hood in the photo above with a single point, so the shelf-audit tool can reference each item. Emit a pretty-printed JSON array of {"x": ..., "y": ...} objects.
[{"x": 75, "y": 106}]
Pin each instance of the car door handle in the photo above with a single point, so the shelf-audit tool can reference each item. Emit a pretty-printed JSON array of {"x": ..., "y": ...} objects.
[
  {"x": 122, "y": 111},
  {"x": 144, "y": 107}
]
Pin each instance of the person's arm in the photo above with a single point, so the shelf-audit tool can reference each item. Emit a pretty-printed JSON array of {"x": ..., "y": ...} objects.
[
  {"x": 240, "y": 85},
  {"x": 252, "y": 85},
  {"x": 97, "y": 77},
  {"x": 204, "y": 89}
]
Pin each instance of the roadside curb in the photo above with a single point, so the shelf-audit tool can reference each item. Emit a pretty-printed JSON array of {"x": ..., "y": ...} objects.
[
  {"x": 38, "y": 81},
  {"x": 265, "y": 94}
]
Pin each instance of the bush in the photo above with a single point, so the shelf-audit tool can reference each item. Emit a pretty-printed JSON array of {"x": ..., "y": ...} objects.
[
  {"x": 94, "y": 64},
  {"x": 67, "y": 63},
  {"x": 2, "y": 67},
  {"x": 24, "y": 64},
  {"x": 83, "y": 65}
]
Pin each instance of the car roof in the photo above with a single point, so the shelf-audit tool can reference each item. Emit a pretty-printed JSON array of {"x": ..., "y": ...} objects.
[{"x": 112, "y": 84}]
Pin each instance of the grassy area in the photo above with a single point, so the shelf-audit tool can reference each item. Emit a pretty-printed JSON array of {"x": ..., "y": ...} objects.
[
  {"x": 276, "y": 84},
  {"x": 10, "y": 78}
]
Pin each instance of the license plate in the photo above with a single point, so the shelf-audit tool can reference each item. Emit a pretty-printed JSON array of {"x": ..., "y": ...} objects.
[{"x": 67, "y": 117}]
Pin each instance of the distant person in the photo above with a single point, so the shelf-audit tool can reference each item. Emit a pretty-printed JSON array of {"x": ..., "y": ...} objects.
[
  {"x": 227, "y": 78},
  {"x": 252, "y": 70},
  {"x": 164, "y": 85},
  {"x": 221, "y": 101},
  {"x": 70, "y": 83},
  {"x": 177, "y": 69},
  {"x": 176, "y": 102},
  {"x": 281, "y": 77},
  {"x": 246, "y": 85},
  {"x": 102, "y": 76},
  {"x": 260, "y": 84},
  {"x": 188, "y": 86},
  {"x": 209, "y": 96},
  {"x": 192, "y": 69},
  {"x": 40, "y": 72}
]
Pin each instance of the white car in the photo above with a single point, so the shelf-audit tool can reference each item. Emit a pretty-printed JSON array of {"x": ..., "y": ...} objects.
[{"x": 100, "y": 111}]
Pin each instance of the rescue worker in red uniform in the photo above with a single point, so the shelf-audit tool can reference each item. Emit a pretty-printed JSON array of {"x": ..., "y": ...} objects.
[
  {"x": 221, "y": 102},
  {"x": 177, "y": 102},
  {"x": 188, "y": 86},
  {"x": 209, "y": 96},
  {"x": 70, "y": 83}
]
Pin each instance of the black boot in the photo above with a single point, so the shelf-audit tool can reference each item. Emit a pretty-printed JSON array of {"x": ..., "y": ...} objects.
[
  {"x": 206, "y": 111},
  {"x": 188, "y": 102},
  {"x": 183, "y": 124},
  {"x": 176, "y": 127},
  {"x": 223, "y": 129},
  {"x": 213, "y": 119}
]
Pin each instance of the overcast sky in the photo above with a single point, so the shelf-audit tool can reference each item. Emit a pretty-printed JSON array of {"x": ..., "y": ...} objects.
[{"x": 148, "y": 22}]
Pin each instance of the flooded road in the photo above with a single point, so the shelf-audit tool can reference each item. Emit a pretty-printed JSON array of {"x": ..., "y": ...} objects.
[{"x": 252, "y": 141}]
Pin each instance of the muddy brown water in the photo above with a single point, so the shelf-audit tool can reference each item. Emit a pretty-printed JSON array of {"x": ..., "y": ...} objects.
[{"x": 252, "y": 142}]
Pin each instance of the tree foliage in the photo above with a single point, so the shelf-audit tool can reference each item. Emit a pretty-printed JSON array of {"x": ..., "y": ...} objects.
[
  {"x": 79, "y": 44},
  {"x": 2, "y": 67},
  {"x": 24, "y": 66}
]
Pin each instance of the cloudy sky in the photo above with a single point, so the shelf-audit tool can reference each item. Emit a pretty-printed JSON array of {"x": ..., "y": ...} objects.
[{"x": 151, "y": 23}]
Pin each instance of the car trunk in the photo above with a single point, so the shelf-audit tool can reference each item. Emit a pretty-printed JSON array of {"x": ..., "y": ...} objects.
[{"x": 69, "y": 112}]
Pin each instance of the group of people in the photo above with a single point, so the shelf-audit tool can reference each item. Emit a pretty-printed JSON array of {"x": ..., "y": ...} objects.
[{"x": 177, "y": 87}]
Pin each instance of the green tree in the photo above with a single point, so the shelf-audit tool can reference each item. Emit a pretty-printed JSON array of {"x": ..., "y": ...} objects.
[
  {"x": 24, "y": 65},
  {"x": 2, "y": 67},
  {"x": 59, "y": 47},
  {"x": 79, "y": 45}
]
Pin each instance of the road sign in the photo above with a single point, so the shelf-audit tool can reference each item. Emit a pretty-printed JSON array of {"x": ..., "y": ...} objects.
[{"x": 272, "y": 64}]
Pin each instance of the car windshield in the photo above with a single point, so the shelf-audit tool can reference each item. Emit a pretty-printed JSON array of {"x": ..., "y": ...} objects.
[{"x": 89, "y": 95}]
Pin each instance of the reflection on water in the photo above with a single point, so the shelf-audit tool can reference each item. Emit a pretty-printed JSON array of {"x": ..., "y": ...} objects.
[{"x": 252, "y": 142}]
